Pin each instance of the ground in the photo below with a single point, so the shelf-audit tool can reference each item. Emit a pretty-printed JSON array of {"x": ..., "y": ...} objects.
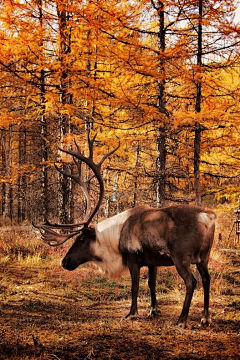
[{"x": 49, "y": 313}]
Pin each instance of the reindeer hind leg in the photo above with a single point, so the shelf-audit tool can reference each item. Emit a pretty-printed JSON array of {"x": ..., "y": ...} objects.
[
  {"x": 203, "y": 270},
  {"x": 184, "y": 271}
]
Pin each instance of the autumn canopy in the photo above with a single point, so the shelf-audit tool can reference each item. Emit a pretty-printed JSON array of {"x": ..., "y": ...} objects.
[{"x": 161, "y": 76}]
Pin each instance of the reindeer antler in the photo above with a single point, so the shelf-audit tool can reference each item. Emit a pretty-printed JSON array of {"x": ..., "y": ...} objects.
[{"x": 52, "y": 237}]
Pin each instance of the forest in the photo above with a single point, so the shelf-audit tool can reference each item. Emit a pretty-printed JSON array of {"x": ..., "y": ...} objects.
[
  {"x": 163, "y": 77},
  {"x": 160, "y": 78}
]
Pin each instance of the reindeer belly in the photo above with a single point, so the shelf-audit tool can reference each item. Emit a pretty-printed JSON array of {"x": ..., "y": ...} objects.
[{"x": 157, "y": 257}]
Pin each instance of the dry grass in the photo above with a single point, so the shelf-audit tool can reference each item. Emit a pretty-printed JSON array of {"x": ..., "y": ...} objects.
[
  {"x": 22, "y": 245},
  {"x": 49, "y": 313}
]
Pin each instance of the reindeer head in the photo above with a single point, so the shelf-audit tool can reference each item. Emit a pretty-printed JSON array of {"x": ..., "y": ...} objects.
[{"x": 80, "y": 252}]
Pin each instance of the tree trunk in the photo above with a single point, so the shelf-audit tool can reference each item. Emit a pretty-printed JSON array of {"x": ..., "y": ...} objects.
[
  {"x": 44, "y": 128},
  {"x": 8, "y": 196},
  {"x": 161, "y": 103},
  {"x": 161, "y": 167},
  {"x": 3, "y": 171},
  {"x": 44, "y": 149},
  {"x": 198, "y": 130},
  {"x": 22, "y": 184},
  {"x": 66, "y": 206},
  {"x": 134, "y": 202}
]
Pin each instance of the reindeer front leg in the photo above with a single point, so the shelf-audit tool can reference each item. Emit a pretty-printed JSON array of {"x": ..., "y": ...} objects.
[{"x": 135, "y": 275}]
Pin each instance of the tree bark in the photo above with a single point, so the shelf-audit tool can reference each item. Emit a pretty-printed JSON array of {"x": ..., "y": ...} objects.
[
  {"x": 44, "y": 126},
  {"x": 66, "y": 206},
  {"x": 161, "y": 103},
  {"x": 22, "y": 183},
  {"x": 8, "y": 200},
  {"x": 198, "y": 130},
  {"x": 134, "y": 202},
  {"x": 3, "y": 171}
]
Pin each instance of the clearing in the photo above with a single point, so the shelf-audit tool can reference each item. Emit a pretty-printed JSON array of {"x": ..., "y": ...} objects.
[{"x": 48, "y": 313}]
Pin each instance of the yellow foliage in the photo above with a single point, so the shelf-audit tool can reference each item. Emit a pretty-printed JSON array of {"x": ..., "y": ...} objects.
[{"x": 103, "y": 66}]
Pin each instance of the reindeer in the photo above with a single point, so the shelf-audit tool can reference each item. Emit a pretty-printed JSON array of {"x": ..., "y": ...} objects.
[{"x": 178, "y": 235}]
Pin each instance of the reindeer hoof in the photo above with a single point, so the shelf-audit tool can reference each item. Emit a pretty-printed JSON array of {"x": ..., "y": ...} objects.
[
  {"x": 206, "y": 321},
  {"x": 154, "y": 313},
  {"x": 131, "y": 316},
  {"x": 182, "y": 325}
]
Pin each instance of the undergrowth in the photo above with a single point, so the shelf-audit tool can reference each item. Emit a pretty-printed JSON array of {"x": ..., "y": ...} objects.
[{"x": 22, "y": 245}]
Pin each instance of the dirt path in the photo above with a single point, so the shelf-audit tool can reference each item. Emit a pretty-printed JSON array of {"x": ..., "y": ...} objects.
[{"x": 46, "y": 316}]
